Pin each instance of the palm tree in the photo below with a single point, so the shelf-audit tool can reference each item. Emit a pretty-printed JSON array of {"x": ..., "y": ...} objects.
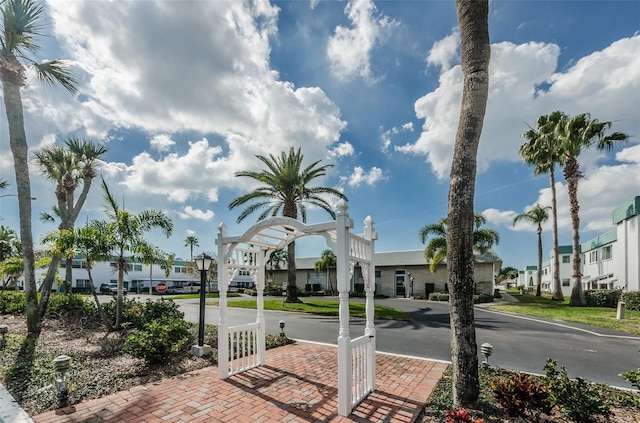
[
  {"x": 436, "y": 249},
  {"x": 150, "y": 255},
  {"x": 9, "y": 249},
  {"x": 328, "y": 260},
  {"x": 93, "y": 244},
  {"x": 3, "y": 184},
  {"x": 536, "y": 215},
  {"x": 576, "y": 134},
  {"x": 276, "y": 259},
  {"x": 475, "y": 54},
  {"x": 22, "y": 23},
  {"x": 190, "y": 242},
  {"x": 285, "y": 190},
  {"x": 542, "y": 150},
  {"x": 126, "y": 231},
  {"x": 68, "y": 166}
]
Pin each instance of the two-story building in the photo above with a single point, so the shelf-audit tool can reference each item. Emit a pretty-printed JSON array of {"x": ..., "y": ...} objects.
[{"x": 608, "y": 261}]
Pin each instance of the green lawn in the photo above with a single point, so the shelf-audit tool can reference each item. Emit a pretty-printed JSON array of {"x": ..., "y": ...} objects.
[
  {"x": 324, "y": 308},
  {"x": 594, "y": 316}
]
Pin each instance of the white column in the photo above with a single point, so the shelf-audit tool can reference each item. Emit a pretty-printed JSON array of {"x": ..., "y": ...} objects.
[
  {"x": 223, "y": 286},
  {"x": 260, "y": 303},
  {"x": 370, "y": 286},
  {"x": 343, "y": 223}
]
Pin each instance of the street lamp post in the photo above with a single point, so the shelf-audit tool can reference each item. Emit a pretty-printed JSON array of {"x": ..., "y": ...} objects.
[{"x": 203, "y": 262}]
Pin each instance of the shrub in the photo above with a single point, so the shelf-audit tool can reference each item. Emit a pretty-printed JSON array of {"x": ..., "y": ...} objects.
[
  {"x": 605, "y": 298},
  {"x": 520, "y": 396},
  {"x": 632, "y": 376},
  {"x": 482, "y": 298},
  {"x": 438, "y": 296},
  {"x": 12, "y": 302},
  {"x": 71, "y": 307},
  {"x": 578, "y": 399},
  {"x": 461, "y": 416},
  {"x": 159, "y": 340},
  {"x": 632, "y": 300}
]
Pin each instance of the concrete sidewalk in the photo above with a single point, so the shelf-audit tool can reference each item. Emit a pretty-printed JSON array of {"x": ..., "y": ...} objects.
[{"x": 298, "y": 384}]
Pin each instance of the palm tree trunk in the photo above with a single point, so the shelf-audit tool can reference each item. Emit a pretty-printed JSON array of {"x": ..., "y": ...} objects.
[
  {"x": 572, "y": 175},
  {"x": 119, "y": 297},
  {"x": 475, "y": 54},
  {"x": 12, "y": 77},
  {"x": 539, "y": 274},
  {"x": 557, "y": 287},
  {"x": 45, "y": 289},
  {"x": 292, "y": 288}
]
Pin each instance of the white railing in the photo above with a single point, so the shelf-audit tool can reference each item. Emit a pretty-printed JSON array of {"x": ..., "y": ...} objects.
[
  {"x": 243, "y": 348},
  {"x": 361, "y": 368}
]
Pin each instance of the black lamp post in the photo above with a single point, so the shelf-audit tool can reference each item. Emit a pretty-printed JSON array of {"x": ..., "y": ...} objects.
[{"x": 203, "y": 262}]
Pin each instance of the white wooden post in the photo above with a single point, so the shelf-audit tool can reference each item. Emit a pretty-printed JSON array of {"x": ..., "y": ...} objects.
[
  {"x": 260, "y": 318},
  {"x": 223, "y": 286},
  {"x": 343, "y": 223},
  {"x": 370, "y": 286}
]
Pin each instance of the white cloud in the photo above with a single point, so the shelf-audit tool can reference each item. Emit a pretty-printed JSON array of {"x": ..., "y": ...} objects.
[
  {"x": 499, "y": 218},
  {"x": 349, "y": 49},
  {"x": 516, "y": 72},
  {"x": 359, "y": 176},
  {"x": 162, "y": 143},
  {"x": 445, "y": 51},
  {"x": 341, "y": 150},
  {"x": 386, "y": 136},
  {"x": 218, "y": 83},
  {"x": 191, "y": 213}
]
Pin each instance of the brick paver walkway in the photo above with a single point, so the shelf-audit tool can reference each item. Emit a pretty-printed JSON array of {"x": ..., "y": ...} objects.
[{"x": 298, "y": 384}]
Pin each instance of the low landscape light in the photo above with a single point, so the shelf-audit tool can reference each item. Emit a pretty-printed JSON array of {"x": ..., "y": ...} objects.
[
  {"x": 4, "y": 329},
  {"x": 486, "y": 349},
  {"x": 61, "y": 363},
  {"x": 282, "y": 323}
]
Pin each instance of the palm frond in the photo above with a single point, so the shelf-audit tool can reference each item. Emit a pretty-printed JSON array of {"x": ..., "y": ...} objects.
[{"x": 56, "y": 71}]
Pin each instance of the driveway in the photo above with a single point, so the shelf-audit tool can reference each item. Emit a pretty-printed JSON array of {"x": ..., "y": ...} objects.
[{"x": 520, "y": 342}]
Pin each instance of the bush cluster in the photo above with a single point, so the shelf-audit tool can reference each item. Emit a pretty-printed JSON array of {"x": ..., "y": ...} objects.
[
  {"x": 520, "y": 396},
  {"x": 632, "y": 300},
  {"x": 12, "y": 302},
  {"x": 438, "y": 296},
  {"x": 579, "y": 400},
  {"x": 604, "y": 298},
  {"x": 482, "y": 298},
  {"x": 159, "y": 340},
  {"x": 461, "y": 416}
]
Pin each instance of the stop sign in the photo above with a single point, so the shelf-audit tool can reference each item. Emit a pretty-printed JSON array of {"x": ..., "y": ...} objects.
[{"x": 161, "y": 287}]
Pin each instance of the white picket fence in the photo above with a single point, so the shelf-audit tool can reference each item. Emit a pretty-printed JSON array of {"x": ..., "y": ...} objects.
[
  {"x": 362, "y": 368},
  {"x": 243, "y": 347}
]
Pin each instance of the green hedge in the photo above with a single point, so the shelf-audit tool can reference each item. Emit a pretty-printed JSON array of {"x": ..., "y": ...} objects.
[
  {"x": 604, "y": 298},
  {"x": 632, "y": 300},
  {"x": 438, "y": 296}
]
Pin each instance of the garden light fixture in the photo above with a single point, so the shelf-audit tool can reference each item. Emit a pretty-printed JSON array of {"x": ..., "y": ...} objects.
[
  {"x": 486, "y": 349},
  {"x": 203, "y": 262}
]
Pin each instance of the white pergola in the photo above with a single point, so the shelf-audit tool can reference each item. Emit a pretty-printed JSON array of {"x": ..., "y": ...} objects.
[{"x": 242, "y": 347}]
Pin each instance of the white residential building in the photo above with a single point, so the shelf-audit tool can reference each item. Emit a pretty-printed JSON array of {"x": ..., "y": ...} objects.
[{"x": 609, "y": 261}]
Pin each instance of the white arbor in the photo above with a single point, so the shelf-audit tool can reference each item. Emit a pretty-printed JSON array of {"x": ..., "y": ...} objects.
[{"x": 242, "y": 347}]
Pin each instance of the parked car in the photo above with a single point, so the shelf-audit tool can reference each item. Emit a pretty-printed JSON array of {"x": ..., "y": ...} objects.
[
  {"x": 188, "y": 288},
  {"x": 110, "y": 288}
]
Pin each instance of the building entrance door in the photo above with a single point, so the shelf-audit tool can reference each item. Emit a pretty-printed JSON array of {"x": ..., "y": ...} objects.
[{"x": 401, "y": 289}]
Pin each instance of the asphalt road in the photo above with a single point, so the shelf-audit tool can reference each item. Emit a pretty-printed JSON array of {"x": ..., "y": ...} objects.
[{"x": 520, "y": 342}]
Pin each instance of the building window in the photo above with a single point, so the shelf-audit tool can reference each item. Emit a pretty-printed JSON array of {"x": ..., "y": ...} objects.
[
  {"x": 83, "y": 283},
  {"x": 566, "y": 259},
  {"x": 566, "y": 282},
  {"x": 137, "y": 268},
  {"x": 593, "y": 256},
  {"x": 606, "y": 252}
]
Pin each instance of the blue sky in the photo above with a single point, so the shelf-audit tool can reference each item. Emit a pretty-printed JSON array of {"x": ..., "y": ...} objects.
[{"x": 186, "y": 93}]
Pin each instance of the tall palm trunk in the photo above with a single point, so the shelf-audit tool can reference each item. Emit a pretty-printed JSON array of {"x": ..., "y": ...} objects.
[
  {"x": 557, "y": 287},
  {"x": 572, "y": 175},
  {"x": 539, "y": 274},
  {"x": 12, "y": 75},
  {"x": 475, "y": 54},
  {"x": 292, "y": 287}
]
